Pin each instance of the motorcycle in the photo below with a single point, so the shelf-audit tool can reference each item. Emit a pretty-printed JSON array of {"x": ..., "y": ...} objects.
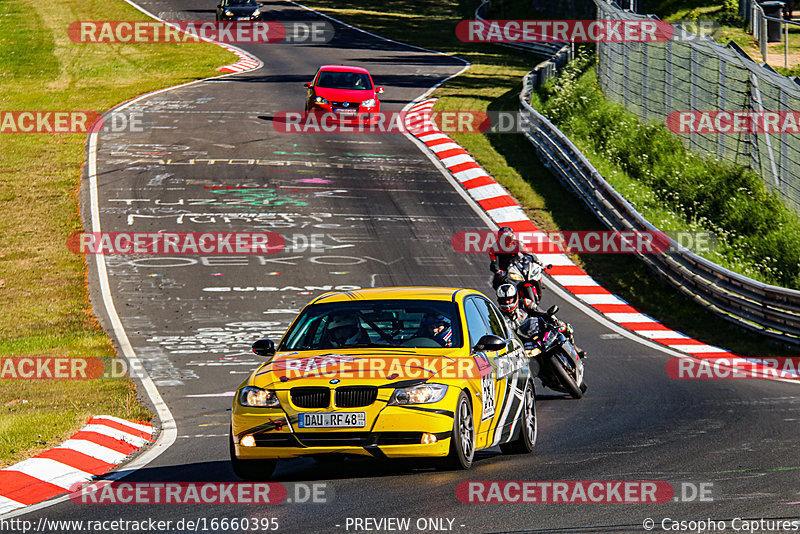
[
  {"x": 557, "y": 364},
  {"x": 526, "y": 274}
]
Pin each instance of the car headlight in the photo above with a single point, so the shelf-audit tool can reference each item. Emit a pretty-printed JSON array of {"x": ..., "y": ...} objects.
[
  {"x": 421, "y": 394},
  {"x": 228, "y": 13},
  {"x": 256, "y": 13},
  {"x": 369, "y": 103},
  {"x": 258, "y": 398},
  {"x": 320, "y": 100}
]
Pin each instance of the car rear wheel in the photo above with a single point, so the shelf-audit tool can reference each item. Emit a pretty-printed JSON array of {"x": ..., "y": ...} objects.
[
  {"x": 528, "y": 427},
  {"x": 462, "y": 439},
  {"x": 250, "y": 469}
]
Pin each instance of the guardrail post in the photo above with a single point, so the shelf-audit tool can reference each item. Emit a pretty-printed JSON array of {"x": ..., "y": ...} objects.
[
  {"x": 721, "y": 104},
  {"x": 785, "y": 45},
  {"x": 668, "y": 76},
  {"x": 693, "y": 92},
  {"x": 760, "y": 108},
  {"x": 645, "y": 48}
]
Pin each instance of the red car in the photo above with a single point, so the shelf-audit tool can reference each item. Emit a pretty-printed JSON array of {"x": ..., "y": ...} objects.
[{"x": 347, "y": 92}]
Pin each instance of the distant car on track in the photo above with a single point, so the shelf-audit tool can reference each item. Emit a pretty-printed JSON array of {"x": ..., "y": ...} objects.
[
  {"x": 386, "y": 372},
  {"x": 348, "y": 93},
  {"x": 238, "y": 10}
]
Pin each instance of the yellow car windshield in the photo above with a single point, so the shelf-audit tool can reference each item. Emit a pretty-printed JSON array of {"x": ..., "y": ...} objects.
[{"x": 376, "y": 323}]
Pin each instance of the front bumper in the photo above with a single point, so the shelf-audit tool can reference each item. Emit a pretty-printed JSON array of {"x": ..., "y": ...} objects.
[
  {"x": 392, "y": 431},
  {"x": 363, "y": 115},
  {"x": 240, "y": 18}
]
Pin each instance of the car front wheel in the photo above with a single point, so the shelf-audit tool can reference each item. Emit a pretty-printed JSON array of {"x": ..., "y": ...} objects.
[{"x": 462, "y": 439}]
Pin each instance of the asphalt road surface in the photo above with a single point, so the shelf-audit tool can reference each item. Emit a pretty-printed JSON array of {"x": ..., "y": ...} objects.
[{"x": 380, "y": 213}]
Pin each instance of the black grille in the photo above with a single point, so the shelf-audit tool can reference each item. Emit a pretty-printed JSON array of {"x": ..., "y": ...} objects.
[
  {"x": 341, "y": 439},
  {"x": 276, "y": 440},
  {"x": 350, "y": 105},
  {"x": 355, "y": 396},
  {"x": 311, "y": 397},
  {"x": 358, "y": 439}
]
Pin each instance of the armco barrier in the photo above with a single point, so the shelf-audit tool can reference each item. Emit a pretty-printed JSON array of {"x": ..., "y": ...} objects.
[{"x": 771, "y": 310}]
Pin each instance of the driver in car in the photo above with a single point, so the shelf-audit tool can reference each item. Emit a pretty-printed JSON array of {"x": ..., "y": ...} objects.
[
  {"x": 344, "y": 331},
  {"x": 437, "y": 327}
]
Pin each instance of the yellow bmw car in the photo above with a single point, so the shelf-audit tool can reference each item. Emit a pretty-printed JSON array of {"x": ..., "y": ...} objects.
[{"x": 386, "y": 372}]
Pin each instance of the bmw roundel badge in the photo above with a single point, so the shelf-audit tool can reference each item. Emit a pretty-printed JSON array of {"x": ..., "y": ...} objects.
[{"x": 335, "y": 381}]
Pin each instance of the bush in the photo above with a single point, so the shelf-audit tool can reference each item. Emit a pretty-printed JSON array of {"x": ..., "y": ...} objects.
[{"x": 759, "y": 236}]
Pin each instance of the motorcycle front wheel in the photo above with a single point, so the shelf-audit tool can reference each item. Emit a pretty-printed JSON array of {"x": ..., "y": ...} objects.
[{"x": 566, "y": 378}]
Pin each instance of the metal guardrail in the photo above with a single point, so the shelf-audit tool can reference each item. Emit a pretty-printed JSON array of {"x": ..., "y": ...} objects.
[
  {"x": 770, "y": 310},
  {"x": 558, "y": 54}
]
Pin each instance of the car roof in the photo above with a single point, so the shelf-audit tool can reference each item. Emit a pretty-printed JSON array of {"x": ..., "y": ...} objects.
[
  {"x": 397, "y": 293},
  {"x": 343, "y": 68}
]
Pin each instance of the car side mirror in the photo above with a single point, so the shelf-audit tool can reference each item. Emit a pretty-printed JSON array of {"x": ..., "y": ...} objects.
[
  {"x": 552, "y": 310},
  {"x": 307, "y": 84},
  {"x": 490, "y": 342},
  {"x": 264, "y": 347},
  {"x": 379, "y": 90}
]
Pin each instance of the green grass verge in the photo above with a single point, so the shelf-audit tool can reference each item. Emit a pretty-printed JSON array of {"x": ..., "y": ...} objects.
[
  {"x": 493, "y": 83},
  {"x": 44, "y": 306}
]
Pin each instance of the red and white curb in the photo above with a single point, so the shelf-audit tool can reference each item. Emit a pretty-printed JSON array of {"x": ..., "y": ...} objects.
[
  {"x": 103, "y": 443},
  {"x": 246, "y": 61},
  {"x": 504, "y": 210}
]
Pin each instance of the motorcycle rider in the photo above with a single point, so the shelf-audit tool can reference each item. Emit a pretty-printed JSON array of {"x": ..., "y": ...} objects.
[
  {"x": 515, "y": 314},
  {"x": 509, "y": 252}
]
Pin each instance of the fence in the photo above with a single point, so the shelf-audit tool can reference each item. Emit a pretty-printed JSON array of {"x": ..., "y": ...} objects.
[
  {"x": 770, "y": 310},
  {"x": 695, "y": 73}
]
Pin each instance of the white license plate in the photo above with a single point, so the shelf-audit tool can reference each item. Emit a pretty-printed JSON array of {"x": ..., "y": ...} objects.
[
  {"x": 333, "y": 420},
  {"x": 347, "y": 111},
  {"x": 243, "y": 18}
]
